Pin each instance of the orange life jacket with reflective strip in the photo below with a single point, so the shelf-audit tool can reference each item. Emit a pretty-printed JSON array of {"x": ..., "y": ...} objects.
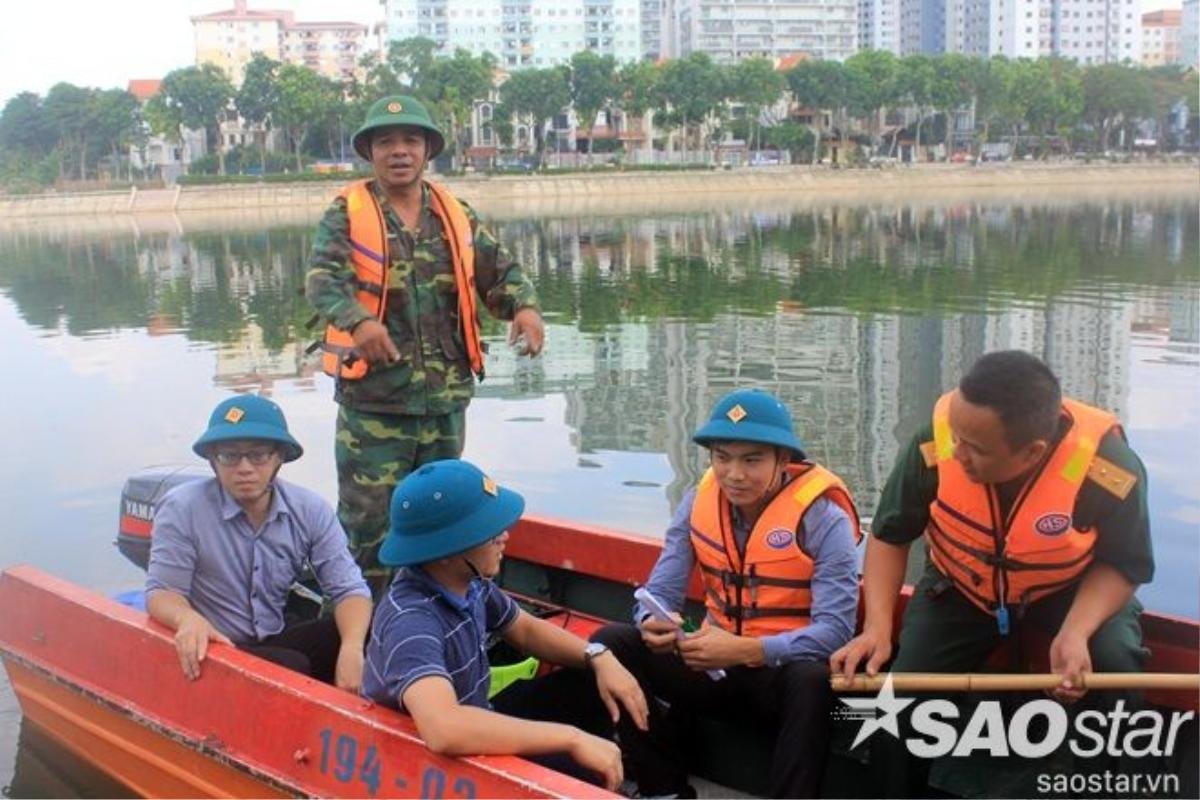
[
  {"x": 768, "y": 590},
  {"x": 1036, "y": 550},
  {"x": 371, "y": 258}
]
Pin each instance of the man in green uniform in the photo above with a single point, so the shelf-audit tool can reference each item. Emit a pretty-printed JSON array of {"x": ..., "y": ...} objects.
[
  {"x": 1067, "y": 543},
  {"x": 417, "y": 346}
]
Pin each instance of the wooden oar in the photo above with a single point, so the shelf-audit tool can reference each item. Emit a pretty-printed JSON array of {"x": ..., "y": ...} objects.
[{"x": 1001, "y": 682}]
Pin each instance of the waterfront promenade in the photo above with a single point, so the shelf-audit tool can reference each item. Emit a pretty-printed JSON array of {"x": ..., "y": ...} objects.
[{"x": 622, "y": 189}]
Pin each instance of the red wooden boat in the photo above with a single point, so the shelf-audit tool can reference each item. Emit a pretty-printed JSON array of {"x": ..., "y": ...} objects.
[{"x": 103, "y": 680}]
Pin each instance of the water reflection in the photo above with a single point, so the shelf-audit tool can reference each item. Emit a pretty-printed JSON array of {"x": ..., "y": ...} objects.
[{"x": 859, "y": 316}]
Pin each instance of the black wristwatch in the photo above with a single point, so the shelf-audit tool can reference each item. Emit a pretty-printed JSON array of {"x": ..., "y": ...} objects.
[{"x": 592, "y": 651}]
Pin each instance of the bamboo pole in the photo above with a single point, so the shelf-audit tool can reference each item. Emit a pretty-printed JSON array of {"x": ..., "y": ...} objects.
[{"x": 1001, "y": 682}]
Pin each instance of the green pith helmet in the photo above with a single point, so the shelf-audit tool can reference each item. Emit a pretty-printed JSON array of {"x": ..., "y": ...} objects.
[{"x": 398, "y": 109}]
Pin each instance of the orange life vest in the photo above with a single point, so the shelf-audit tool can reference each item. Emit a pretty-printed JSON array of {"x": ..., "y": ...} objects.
[
  {"x": 768, "y": 590},
  {"x": 1036, "y": 550},
  {"x": 371, "y": 259}
]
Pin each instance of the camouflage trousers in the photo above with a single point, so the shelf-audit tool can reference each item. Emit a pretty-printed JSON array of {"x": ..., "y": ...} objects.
[{"x": 374, "y": 452}]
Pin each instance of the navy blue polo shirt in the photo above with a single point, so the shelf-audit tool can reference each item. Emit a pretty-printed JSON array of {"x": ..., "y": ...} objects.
[{"x": 421, "y": 628}]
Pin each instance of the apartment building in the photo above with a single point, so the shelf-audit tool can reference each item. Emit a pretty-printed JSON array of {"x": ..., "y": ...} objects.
[
  {"x": 1096, "y": 31},
  {"x": 652, "y": 42},
  {"x": 1189, "y": 34},
  {"x": 1087, "y": 31},
  {"x": 879, "y": 25},
  {"x": 330, "y": 48},
  {"x": 732, "y": 30},
  {"x": 229, "y": 39},
  {"x": 522, "y": 33},
  {"x": 1161, "y": 37}
]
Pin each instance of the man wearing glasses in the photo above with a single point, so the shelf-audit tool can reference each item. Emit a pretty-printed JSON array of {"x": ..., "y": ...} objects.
[{"x": 226, "y": 550}]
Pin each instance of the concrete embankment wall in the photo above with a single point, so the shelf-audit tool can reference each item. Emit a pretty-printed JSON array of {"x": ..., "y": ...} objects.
[{"x": 619, "y": 188}]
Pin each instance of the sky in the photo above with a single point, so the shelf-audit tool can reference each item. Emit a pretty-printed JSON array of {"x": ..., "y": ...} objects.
[{"x": 104, "y": 43}]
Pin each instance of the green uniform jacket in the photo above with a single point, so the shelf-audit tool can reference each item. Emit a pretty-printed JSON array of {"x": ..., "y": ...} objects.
[
  {"x": 1122, "y": 526},
  {"x": 432, "y": 376}
]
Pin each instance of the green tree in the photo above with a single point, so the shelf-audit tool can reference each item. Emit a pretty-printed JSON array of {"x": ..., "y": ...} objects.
[
  {"x": 24, "y": 128},
  {"x": 257, "y": 98},
  {"x": 1168, "y": 86},
  {"x": 817, "y": 86},
  {"x": 593, "y": 87},
  {"x": 453, "y": 85},
  {"x": 756, "y": 84},
  {"x": 409, "y": 61},
  {"x": 790, "y": 136},
  {"x": 539, "y": 93},
  {"x": 989, "y": 83},
  {"x": 71, "y": 113},
  {"x": 916, "y": 82},
  {"x": 1113, "y": 93},
  {"x": 877, "y": 74},
  {"x": 637, "y": 91},
  {"x": 304, "y": 99},
  {"x": 115, "y": 120},
  {"x": 196, "y": 98},
  {"x": 953, "y": 88},
  {"x": 691, "y": 88}
]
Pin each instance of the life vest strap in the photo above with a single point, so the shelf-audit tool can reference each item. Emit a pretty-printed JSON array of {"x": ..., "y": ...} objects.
[
  {"x": 739, "y": 581},
  {"x": 373, "y": 287},
  {"x": 745, "y": 613},
  {"x": 964, "y": 519},
  {"x": 368, "y": 252}
]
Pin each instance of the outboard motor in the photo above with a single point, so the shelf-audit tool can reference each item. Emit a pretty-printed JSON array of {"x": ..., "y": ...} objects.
[{"x": 140, "y": 497}]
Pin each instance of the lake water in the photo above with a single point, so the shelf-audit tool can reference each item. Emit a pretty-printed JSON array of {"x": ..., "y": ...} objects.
[{"x": 122, "y": 335}]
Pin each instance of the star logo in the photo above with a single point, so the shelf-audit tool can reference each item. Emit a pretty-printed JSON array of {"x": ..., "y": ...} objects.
[
  {"x": 394, "y": 108},
  {"x": 736, "y": 414},
  {"x": 490, "y": 486},
  {"x": 868, "y": 711},
  {"x": 234, "y": 415}
]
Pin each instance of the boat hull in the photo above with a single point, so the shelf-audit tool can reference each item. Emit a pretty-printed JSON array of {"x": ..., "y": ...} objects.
[{"x": 104, "y": 681}]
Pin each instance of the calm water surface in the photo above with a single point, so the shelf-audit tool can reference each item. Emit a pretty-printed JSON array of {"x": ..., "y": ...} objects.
[{"x": 121, "y": 339}]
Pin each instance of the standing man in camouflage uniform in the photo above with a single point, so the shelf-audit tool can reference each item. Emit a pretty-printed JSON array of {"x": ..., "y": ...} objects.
[{"x": 391, "y": 269}]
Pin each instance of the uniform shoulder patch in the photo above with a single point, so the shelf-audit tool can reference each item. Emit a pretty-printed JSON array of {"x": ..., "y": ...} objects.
[
  {"x": 929, "y": 453},
  {"x": 1111, "y": 478}
]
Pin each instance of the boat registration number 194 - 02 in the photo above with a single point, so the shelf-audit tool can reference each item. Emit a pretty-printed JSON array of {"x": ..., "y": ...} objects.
[{"x": 343, "y": 757}]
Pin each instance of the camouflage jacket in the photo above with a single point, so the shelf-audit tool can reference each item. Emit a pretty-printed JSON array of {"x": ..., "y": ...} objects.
[{"x": 432, "y": 376}]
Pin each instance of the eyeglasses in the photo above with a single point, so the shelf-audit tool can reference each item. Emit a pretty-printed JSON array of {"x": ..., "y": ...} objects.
[{"x": 231, "y": 458}]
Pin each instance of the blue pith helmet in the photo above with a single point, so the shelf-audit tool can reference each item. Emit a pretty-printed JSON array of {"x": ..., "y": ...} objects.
[
  {"x": 750, "y": 415},
  {"x": 248, "y": 416},
  {"x": 443, "y": 508}
]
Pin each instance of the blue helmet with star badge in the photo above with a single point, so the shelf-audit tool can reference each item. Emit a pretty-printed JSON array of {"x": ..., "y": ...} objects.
[
  {"x": 444, "y": 508},
  {"x": 248, "y": 416},
  {"x": 750, "y": 415}
]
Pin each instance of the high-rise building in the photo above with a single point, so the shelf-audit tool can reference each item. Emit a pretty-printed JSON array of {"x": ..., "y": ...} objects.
[
  {"x": 732, "y": 30},
  {"x": 1160, "y": 37},
  {"x": 230, "y": 38},
  {"x": 879, "y": 25},
  {"x": 522, "y": 33},
  {"x": 1189, "y": 33},
  {"x": 652, "y": 43},
  {"x": 330, "y": 48},
  {"x": 1091, "y": 32},
  {"x": 1087, "y": 31}
]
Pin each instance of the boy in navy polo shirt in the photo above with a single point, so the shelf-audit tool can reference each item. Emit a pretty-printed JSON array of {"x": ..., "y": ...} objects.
[{"x": 427, "y": 654}]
